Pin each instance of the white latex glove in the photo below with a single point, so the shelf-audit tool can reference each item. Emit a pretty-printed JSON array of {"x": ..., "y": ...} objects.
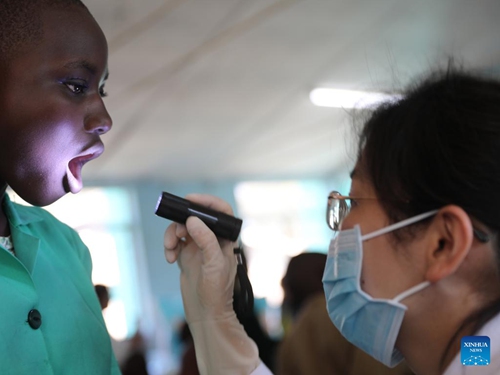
[{"x": 208, "y": 270}]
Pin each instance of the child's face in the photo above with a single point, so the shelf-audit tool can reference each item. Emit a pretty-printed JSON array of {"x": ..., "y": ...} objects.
[{"x": 51, "y": 108}]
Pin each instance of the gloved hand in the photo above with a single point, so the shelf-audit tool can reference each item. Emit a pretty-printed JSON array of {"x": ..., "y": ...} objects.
[{"x": 208, "y": 269}]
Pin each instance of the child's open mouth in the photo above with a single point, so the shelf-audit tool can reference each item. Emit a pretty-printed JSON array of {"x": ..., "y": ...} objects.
[{"x": 74, "y": 169}]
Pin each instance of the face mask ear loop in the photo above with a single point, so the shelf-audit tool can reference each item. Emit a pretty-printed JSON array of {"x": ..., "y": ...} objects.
[
  {"x": 409, "y": 292},
  {"x": 399, "y": 225}
]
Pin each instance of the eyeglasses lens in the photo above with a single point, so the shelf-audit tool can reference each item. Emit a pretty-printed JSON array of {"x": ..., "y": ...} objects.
[{"x": 337, "y": 209}]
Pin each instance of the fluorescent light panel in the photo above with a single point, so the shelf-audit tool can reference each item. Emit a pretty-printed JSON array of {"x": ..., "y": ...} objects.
[{"x": 337, "y": 98}]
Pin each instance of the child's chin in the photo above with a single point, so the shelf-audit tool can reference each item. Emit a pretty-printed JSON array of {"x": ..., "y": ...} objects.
[{"x": 45, "y": 200}]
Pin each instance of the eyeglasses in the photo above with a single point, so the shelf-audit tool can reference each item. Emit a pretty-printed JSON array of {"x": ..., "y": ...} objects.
[
  {"x": 339, "y": 205},
  {"x": 338, "y": 208}
]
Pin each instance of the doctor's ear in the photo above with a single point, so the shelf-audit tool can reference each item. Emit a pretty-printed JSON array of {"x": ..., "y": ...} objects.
[{"x": 451, "y": 238}]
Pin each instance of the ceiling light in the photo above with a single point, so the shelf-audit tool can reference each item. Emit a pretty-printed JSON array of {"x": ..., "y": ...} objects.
[{"x": 336, "y": 98}]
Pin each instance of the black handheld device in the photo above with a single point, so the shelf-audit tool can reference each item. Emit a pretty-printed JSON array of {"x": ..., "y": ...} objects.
[{"x": 178, "y": 209}]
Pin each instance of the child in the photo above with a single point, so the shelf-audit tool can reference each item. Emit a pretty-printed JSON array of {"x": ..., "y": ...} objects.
[{"x": 53, "y": 65}]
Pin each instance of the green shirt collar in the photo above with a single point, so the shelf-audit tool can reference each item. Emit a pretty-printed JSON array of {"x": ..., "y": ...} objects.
[{"x": 18, "y": 214}]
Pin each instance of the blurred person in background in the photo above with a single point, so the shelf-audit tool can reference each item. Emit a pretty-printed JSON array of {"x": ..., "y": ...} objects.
[{"x": 130, "y": 353}]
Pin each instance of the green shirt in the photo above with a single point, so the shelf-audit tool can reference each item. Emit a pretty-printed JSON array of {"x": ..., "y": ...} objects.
[{"x": 51, "y": 273}]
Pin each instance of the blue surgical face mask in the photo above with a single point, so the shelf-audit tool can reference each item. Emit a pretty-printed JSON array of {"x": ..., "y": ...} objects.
[{"x": 372, "y": 324}]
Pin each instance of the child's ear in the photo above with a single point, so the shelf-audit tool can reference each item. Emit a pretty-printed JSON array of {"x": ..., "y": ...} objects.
[{"x": 451, "y": 239}]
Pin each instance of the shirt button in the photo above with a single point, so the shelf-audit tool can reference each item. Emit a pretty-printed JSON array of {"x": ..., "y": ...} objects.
[{"x": 34, "y": 319}]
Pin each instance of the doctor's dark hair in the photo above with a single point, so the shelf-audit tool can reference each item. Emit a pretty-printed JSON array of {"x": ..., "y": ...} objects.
[
  {"x": 21, "y": 23},
  {"x": 439, "y": 145}
]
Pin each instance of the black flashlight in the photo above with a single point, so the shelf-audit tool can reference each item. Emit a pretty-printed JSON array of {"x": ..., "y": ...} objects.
[{"x": 178, "y": 209}]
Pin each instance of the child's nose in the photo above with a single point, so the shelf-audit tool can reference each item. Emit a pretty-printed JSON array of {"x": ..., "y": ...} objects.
[{"x": 98, "y": 121}]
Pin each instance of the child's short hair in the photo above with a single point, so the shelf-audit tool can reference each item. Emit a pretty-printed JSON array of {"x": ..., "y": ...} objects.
[{"x": 21, "y": 23}]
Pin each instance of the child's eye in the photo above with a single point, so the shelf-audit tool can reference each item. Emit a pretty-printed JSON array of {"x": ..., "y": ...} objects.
[{"x": 76, "y": 88}]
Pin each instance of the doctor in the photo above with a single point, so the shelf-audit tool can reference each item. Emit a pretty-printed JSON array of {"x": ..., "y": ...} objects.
[{"x": 415, "y": 263}]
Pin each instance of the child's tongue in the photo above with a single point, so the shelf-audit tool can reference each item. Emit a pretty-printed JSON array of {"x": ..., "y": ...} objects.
[{"x": 74, "y": 173}]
